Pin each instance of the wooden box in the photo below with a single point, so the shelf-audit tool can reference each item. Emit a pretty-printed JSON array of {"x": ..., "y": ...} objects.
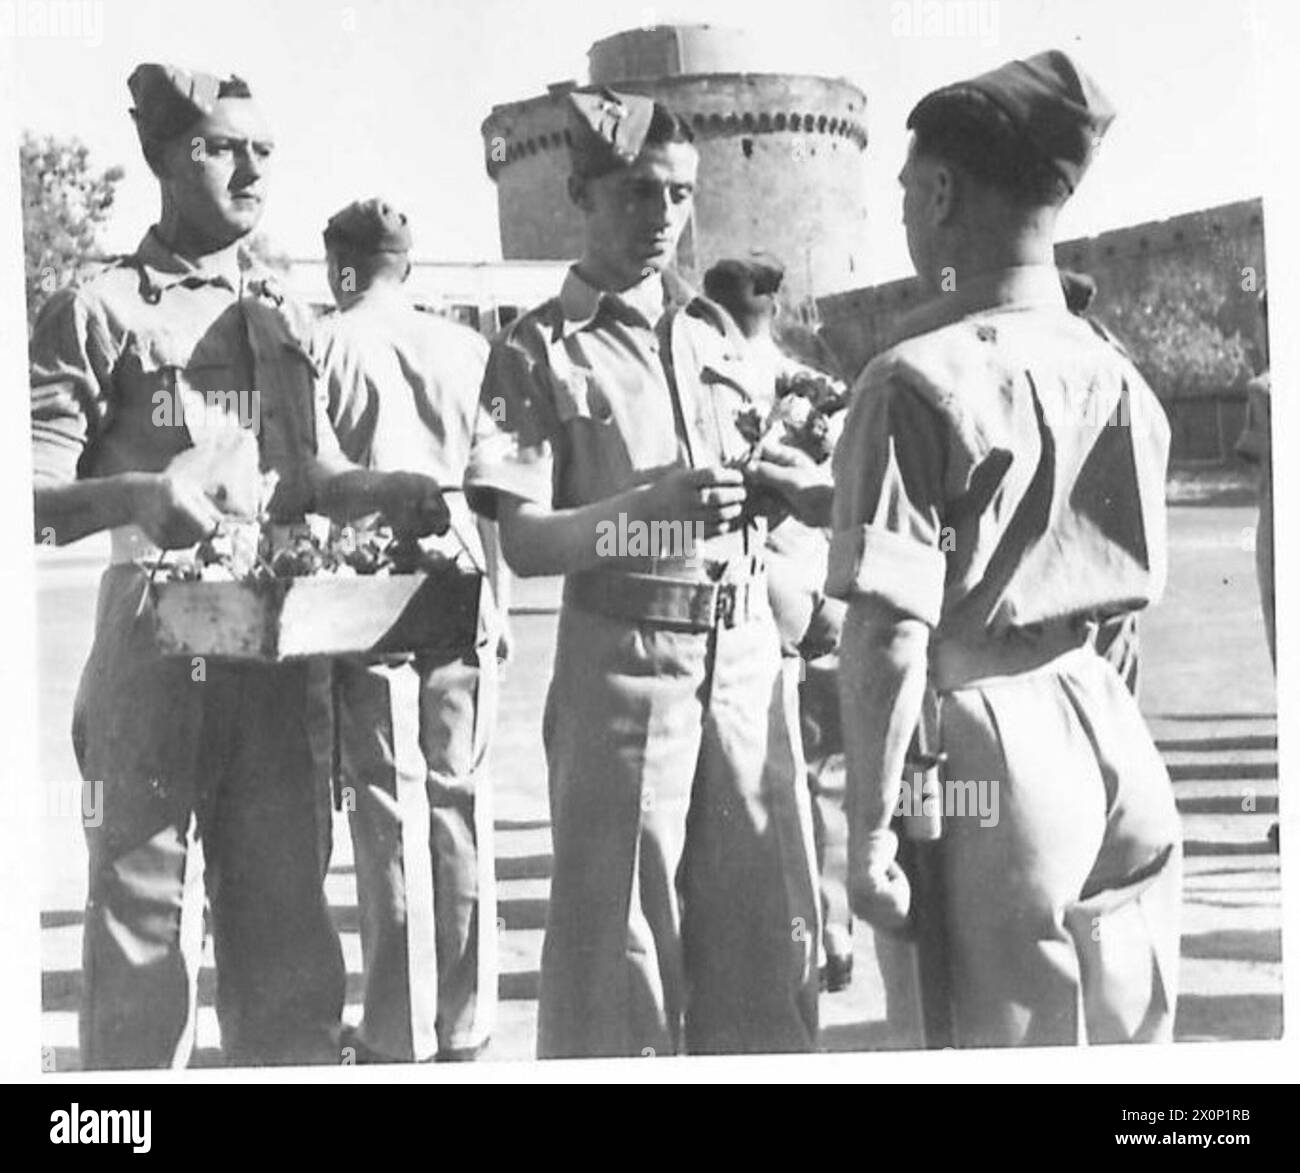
[{"x": 290, "y": 618}]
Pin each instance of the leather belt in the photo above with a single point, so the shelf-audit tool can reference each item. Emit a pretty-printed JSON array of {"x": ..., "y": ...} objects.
[
  {"x": 965, "y": 663},
  {"x": 685, "y": 604}
]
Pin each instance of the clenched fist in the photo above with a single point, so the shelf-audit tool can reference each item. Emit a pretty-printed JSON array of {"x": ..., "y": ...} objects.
[
  {"x": 878, "y": 889},
  {"x": 174, "y": 512},
  {"x": 413, "y": 505},
  {"x": 713, "y": 497}
]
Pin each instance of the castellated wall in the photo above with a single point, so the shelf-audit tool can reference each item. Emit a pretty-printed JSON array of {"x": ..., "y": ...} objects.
[
  {"x": 781, "y": 169},
  {"x": 1225, "y": 241},
  {"x": 1210, "y": 261}
]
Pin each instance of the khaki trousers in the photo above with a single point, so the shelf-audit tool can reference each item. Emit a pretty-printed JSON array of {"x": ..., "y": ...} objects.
[
  {"x": 1063, "y": 914},
  {"x": 413, "y": 744},
  {"x": 234, "y": 759},
  {"x": 683, "y": 913}
]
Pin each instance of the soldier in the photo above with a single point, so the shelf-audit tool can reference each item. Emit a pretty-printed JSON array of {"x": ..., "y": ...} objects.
[
  {"x": 403, "y": 388},
  {"x": 809, "y": 622},
  {"x": 128, "y": 371},
  {"x": 682, "y": 914},
  {"x": 986, "y": 512}
]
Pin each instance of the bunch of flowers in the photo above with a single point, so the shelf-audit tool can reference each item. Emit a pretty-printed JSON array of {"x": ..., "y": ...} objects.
[
  {"x": 233, "y": 554},
  {"x": 255, "y": 551},
  {"x": 807, "y": 415}
]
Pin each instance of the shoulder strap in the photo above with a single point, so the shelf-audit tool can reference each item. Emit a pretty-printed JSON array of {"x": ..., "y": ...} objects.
[{"x": 675, "y": 357}]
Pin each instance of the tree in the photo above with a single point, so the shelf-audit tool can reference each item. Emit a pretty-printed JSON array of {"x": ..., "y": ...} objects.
[
  {"x": 64, "y": 204},
  {"x": 1174, "y": 328}
]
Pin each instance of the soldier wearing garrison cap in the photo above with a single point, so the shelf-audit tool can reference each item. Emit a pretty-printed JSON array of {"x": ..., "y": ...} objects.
[
  {"x": 413, "y": 736},
  {"x": 682, "y": 913},
  {"x": 998, "y": 491},
  {"x": 128, "y": 371},
  {"x": 372, "y": 225}
]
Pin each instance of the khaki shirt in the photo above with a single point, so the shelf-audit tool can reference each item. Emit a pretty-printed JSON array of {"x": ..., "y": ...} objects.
[
  {"x": 1002, "y": 466},
  {"x": 147, "y": 359},
  {"x": 578, "y": 404},
  {"x": 402, "y": 386}
]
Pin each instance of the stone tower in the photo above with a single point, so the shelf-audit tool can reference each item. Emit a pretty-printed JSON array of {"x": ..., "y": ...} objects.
[{"x": 781, "y": 158}]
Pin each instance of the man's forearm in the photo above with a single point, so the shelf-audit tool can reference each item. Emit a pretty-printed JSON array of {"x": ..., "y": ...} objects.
[
  {"x": 344, "y": 494},
  {"x": 537, "y": 540},
  {"x": 67, "y": 511},
  {"x": 882, "y": 685},
  {"x": 497, "y": 575}
]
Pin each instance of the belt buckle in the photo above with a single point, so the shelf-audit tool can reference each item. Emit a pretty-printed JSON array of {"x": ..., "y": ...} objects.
[{"x": 724, "y": 607}]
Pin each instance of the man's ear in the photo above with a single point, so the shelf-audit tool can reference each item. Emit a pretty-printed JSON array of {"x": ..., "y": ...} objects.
[
  {"x": 578, "y": 191},
  {"x": 945, "y": 190}
]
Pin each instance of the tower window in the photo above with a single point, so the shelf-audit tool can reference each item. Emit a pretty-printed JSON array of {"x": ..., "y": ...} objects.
[{"x": 747, "y": 146}]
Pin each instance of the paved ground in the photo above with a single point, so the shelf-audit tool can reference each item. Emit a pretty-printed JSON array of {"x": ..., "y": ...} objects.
[{"x": 1207, "y": 689}]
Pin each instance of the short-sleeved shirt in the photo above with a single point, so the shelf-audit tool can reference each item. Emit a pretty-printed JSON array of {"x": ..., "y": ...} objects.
[
  {"x": 147, "y": 358},
  {"x": 402, "y": 387},
  {"x": 1002, "y": 466},
  {"x": 578, "y": 403}
]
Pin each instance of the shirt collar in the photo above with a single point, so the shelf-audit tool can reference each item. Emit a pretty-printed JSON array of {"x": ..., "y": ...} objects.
[
  {"x": 379, "y": 295},
  {"x": 1018, "y": 287},
  {"x": 166, "y": 268},
  {"x": 580, "y": 301}
]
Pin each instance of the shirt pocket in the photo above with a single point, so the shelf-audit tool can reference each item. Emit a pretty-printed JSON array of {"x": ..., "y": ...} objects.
[
  {"x": 580, "y": 398},
  {"x": 179, "y": 387}
]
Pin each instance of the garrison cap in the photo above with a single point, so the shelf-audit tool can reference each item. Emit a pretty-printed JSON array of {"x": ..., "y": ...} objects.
[
  {"x": 169, "y": 100},
  {"x": 373, "y": 225},
  {"x": 607, "y": 129},
  {"x": 1054, "y": 106}
]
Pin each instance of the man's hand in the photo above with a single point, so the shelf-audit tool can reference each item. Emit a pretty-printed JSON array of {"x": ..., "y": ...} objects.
[
  {"x": 878, "y": 889},
  {"x": 806, "y": 487},
  {"x": 413, "y": 504},
  {"x": 713, "y": 497},
  {"x": 173, "y": 511}
]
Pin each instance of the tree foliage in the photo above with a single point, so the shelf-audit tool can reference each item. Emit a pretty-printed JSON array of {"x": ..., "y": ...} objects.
[
  {"x": 1174, "y": 328},
  {"x": 65, "y": 201}
]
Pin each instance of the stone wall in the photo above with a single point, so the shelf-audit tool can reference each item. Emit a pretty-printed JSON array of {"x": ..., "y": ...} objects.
[
  {"x": 782, "y": 167},
  {"x": 1212, "y": 261},
  {"x": 1227, "y": 241}
]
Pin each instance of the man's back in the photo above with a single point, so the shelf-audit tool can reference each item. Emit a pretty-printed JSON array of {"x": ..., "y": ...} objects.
[
  {"x": 1032, "y": 449},
  {"x": 403, "y": 385}
]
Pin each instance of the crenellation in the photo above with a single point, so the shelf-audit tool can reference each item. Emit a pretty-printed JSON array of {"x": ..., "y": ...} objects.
[{"x": 782, "y": 165}]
